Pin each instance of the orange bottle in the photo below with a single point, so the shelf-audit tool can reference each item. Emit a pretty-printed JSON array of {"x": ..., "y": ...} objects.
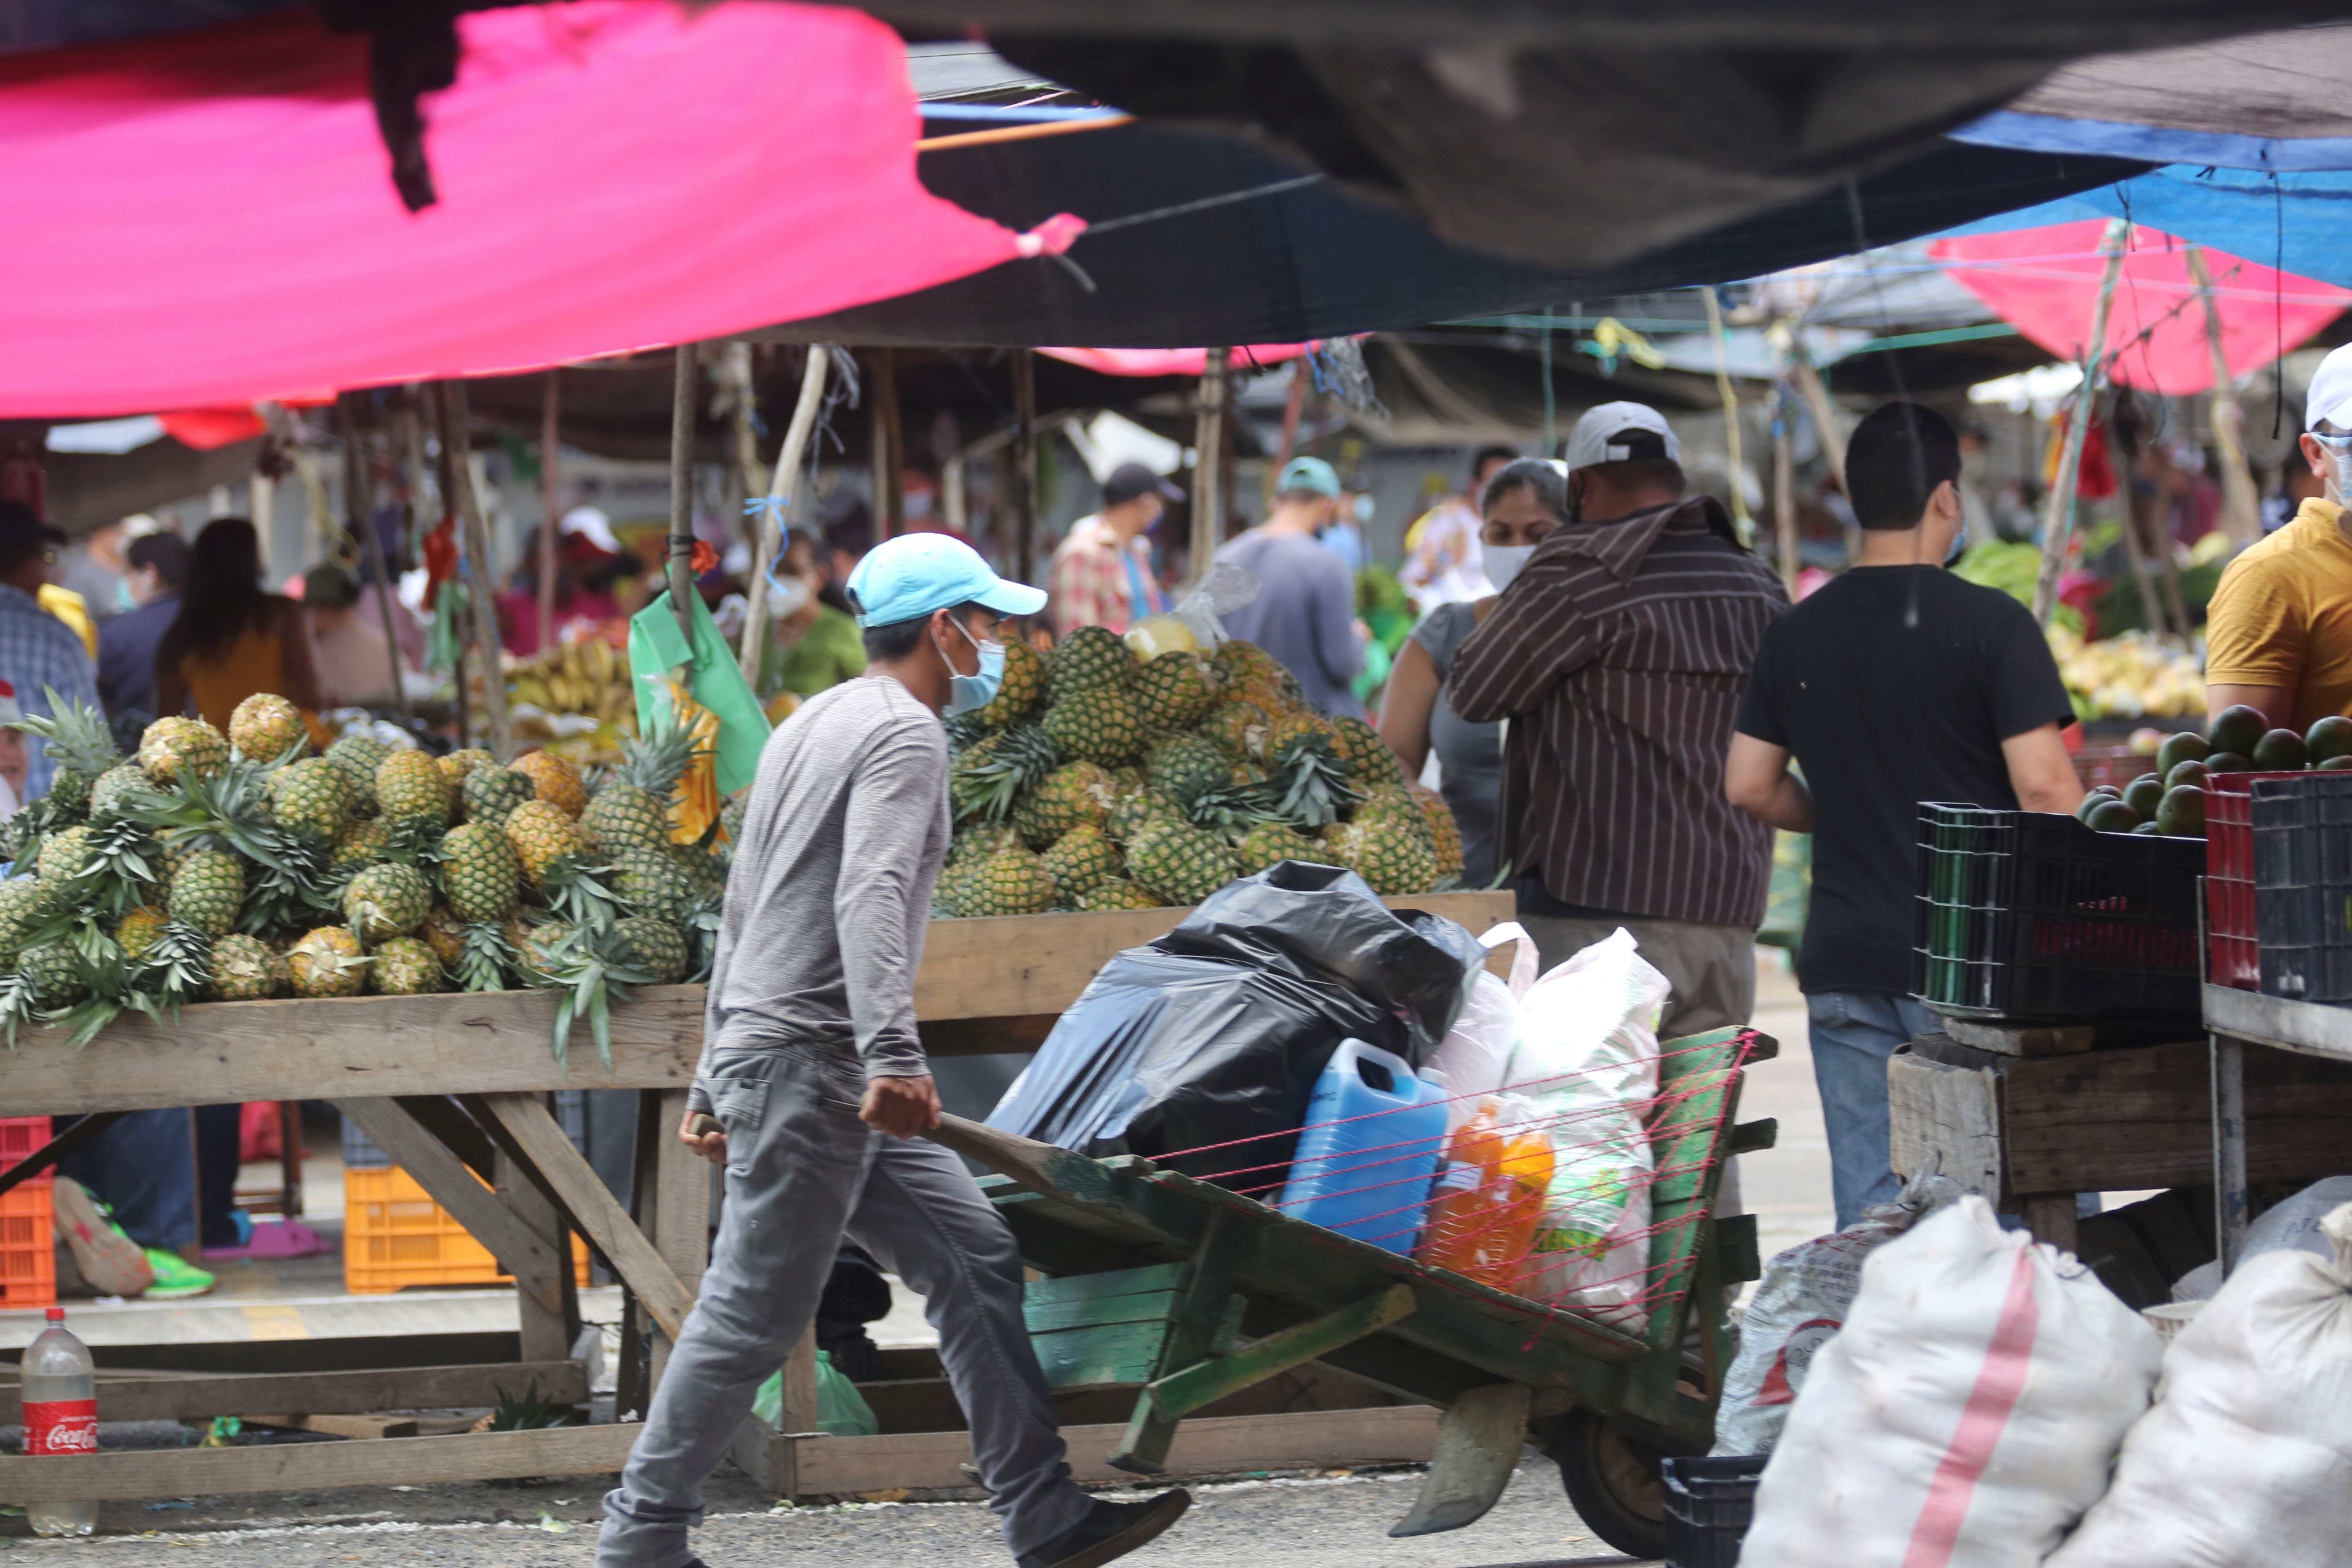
[{"x": 1488, "y": 1197}]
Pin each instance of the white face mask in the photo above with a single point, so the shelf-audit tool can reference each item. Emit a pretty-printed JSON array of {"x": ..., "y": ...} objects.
[
  {"x": 787, "y": 596},
  {"x": 1505, "y": 561}
]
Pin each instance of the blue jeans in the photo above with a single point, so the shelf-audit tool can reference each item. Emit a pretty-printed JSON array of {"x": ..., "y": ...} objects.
[
  {"x": 1853, "y": 1034},
  {"x": 145, "y": 1169}
]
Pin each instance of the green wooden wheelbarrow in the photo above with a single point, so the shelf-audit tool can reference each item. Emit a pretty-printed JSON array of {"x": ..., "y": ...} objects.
[{"x": 1188, "y": 1292}]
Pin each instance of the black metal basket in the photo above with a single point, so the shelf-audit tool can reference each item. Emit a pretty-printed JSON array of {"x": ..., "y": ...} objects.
[{"x": 2035, "y": 918}]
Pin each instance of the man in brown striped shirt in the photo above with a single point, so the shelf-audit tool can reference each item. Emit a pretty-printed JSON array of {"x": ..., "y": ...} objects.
[{"x": 1617, "y": 656}]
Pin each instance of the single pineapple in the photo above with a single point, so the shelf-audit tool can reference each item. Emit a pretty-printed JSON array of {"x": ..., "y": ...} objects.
[
  {"x": 633, "y": 809},
  {"x": 326, "y": 962},
  {"x": 80, "y": 748},
  {"x": 1187, "y": 767},
  {"x": 386, "y": 901},
  {"x": 541, "y": 835},
  {"x": 1072, "y": 794},
  {"x": 480, "y": 872},
  {"x": 138, "y": 930},
  {"x": 654, "y": 884},
  {"x": 706, "y": 870},
  {"x": 63, "y": 856},
  {"x": 207, "y": 890},
  {"x": 116, "y": 789},
  {"x": 1238, "y": 730},
  {"x": 311, "y": 799},
  {"x": 1129, "y": 813},
  {"x": 456, "y": 766},
  {"x": 654, "y": 946},
  {"x": 1392, "y": 850},
  {"x": 1018, "y": 693},
  {"x": 536, "y": 942},
  {"x": 404, "y": 966},
  {"x": 24, "y": 901},
  {"x": 1180, "y": 862},
  {"x": 1082, "y": 860},
  {"x": 1090, "y": 658},
  {"x": 1294, "y": 726},
  {"x": 1117, "y": 893},
  {"x": 244, "y": 968},
  {"x": 1445, "y": 833},
  {"x": 1095, "y": 722},
  {"x": 266, "y": 726},
  {"x": 1368, "y": 758},
  {"x": 413, "y": 793},
  {"x": 979, "y": 841},
  {"x": 173, "y": 746},
  {"x": 445, "y": 934},
  {"x": 555, "y": 780},
  {"x": 55, "y": 975},
  {"x": 1009, "y": 882},
  {"x": 359, "y": 756},
  {"x": 732, "y": 817},
  {"x": 491, "y": 794},
  {"x": 993, "y": 775},
  {"x": 1175, "y": 692},
  {"x": 362, "y": 844},
  {"x": 1269, "y": 844}
]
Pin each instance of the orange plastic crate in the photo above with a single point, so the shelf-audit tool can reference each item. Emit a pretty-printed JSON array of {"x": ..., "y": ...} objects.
[
  {"x": 29, "y": 1262},
  {"x": 397, "y": 1236},
  {"x": 19, "y": 1136}
]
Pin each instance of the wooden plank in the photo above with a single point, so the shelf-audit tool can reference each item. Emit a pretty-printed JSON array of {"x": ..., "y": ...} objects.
[
  {"x": 341, "y": 1047},
  {"x": 521, "y": 1251},
  {"x": 360, "y": 1427},
  {"x": 545, "y": 1325},
  {"x": 134, "y": 1396},
  {"x": 643, "y": 1270},
  {"x": 305, "y": 1466},
  {"x": 2022, "y": 1040},
  {"x": 1944, "y": 1117},
  {"x": 2051, "y": 1216},
  {"x": 1115, "y": 1282},
  {"x": 1205, "y": 1383},
  {"x": 680, "y": 1210},
  {"x": 1141, "y": 1307}
]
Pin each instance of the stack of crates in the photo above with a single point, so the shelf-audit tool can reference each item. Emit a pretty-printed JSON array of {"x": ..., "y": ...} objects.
[
  {"x": 397, "y": 1236},
  {"x": 2303, "y": 886},
  {"x": 28, "y": 1263}
]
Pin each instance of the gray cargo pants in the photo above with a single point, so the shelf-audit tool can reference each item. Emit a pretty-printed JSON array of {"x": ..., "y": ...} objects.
[{"x": 801, "y": 1172}]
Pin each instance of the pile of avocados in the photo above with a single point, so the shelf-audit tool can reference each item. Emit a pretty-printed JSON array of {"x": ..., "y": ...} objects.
[{"x": 2172, "y": 800}]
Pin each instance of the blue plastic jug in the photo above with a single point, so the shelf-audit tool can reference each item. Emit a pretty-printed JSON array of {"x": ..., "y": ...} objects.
[{"x": 1374, "y": 1134}]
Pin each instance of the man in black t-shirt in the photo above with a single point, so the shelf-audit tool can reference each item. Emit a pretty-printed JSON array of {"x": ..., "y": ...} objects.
[{"x": 1894, "y": 683}]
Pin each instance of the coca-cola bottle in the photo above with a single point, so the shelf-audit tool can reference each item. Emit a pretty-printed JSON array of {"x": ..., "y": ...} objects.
[{"x": 61, "y": 1390}]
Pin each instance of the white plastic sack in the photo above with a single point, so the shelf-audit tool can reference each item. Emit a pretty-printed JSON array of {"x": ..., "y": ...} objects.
[
  {"x": 1965, "y": 1417},
  {"x": 1799, "y": 1307},
  {"x": 2247, "y": 1457},
  {"x": 1588, "y": 1056},
  {"x": 1477, "y": 1049},
  {"x": 2294, "y": 1223}
]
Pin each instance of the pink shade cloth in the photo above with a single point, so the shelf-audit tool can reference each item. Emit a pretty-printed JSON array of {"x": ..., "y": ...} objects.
[
  {"x": 2046, "y": 282},
  {"x": 207, "y": 219},
  {"x": 1171, "y": 361}
]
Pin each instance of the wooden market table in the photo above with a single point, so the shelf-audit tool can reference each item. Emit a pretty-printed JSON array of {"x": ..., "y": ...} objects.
[
  {"x": 2235, "y": 1019},
  {"x": 503, "y": 1168}
]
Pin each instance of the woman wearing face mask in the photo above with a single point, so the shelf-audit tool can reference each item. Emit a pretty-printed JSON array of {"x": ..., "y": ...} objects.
[
  {"x": 1522, "y": 503},
  {"x": 811, "y": 645}
]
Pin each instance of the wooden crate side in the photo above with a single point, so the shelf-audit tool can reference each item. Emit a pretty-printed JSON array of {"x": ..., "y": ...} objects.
[
  {"x": 1948, "y": 1118},
  {"x": 409, "y": 1461}
]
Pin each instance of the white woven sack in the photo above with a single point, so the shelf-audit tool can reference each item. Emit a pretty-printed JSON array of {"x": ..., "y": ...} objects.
[
  {"x": 2247, "y": 1456},
  {"x": 1966, "y": 1416}
]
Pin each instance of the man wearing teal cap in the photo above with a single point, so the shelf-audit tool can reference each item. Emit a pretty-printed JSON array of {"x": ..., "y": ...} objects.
[
  {"x": 815, "y": 1077},
  {"x": 1304, "y": 612}
]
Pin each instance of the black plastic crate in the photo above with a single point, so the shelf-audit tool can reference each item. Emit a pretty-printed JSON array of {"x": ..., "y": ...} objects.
[
  {"x": 2303, "y": 886},
  {"x": 2035, "y": 918},
  {"x": 1709, "y": 1505}
]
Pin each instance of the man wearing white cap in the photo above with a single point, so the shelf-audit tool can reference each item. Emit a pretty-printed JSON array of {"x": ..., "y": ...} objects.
[
  {"x": 815, "y": 1077},
  {"x": 2278, "y": 635},
  {"x": 1618, "y": 654}
]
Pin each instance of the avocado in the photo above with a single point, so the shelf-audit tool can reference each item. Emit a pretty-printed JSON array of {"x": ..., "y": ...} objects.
[
  {"x": 2336, "y": 765},
  {"x": 2237, "y": 730},
  {"x": 2280, "y": 751},
  {"x": 2188, "y": 746},
  {"x": 2331, "y": 737},
  {"x": 2182, "y": 814},
  {"x": 2150, "y": 828},
  {"x": 2093, "y": 798},
  {"x": 2187, "y": 774},
  {"x": 2113, "y": 816},
  {"x": 2143, "y": 794},
  {"x": 2228, "y": 763}
]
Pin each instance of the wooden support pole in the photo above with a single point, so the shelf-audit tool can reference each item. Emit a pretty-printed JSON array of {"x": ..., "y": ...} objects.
[
  {"x": 2058, "y": 526},
  {"x": 458, "y": 464},
  {"x": 359, "y": 509},
  {"x": 1784, "y": 494},
  {"x": 1024, "y": 464},
  {"x": 2241, "y": 506},
  {"x": 680, "y": 572},
  {"x": 890, "y": 449},
  {"x": 784, "y": 489},
  {"x": 549, "y": 418},
  {"x": 1209, "y": 463},
  {"x": 1732, "y": 459}
]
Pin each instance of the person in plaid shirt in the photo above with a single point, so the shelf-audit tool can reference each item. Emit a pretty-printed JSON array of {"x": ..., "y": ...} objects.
[
  {"x": 1102, "y": 570},
  {"x": 38, "y": 652}
]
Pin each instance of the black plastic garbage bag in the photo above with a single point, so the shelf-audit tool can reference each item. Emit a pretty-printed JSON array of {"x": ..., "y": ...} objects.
[{"x": 1208, "y": 1041}]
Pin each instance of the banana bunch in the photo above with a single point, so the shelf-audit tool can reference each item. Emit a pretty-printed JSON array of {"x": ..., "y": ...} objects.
[
  {"x": 589, "y": 677},
  {"x": 2135, "y": 675}
]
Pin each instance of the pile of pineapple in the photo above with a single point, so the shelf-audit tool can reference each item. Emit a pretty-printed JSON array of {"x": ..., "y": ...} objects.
[
  {"x": 240, "y": 867},
  {"x": 1097, "y": 780}
]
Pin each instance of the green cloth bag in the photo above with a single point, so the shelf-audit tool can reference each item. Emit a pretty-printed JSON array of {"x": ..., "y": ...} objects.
[{"x": 656, "y": 647}]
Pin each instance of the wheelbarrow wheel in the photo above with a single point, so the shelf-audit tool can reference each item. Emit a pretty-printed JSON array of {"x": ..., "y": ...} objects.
[{"x": 1614, "y": 1482}]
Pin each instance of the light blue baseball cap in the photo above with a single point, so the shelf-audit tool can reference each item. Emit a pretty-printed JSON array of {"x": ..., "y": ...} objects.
[
  {"x": 906, "y": 578},
  {"x": 1308, "y": 474}
]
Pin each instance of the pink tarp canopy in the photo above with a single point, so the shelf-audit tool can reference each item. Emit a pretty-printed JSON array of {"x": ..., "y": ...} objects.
[
  {"x": 1171, "y": 362},
  {"x": 207, "y": 219},
  {"x": 2046, "y": 282}
]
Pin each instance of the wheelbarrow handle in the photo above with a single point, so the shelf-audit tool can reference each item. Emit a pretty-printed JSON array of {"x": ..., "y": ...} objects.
[{"x": 1026, "y": 1162}]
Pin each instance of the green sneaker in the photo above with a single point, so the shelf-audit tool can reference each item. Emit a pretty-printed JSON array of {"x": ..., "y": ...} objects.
[{"x": 175, "y": 1277}]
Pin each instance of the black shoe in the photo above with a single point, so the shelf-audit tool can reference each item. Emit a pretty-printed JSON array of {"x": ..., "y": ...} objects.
[{"x": 1109, "y": 1530}]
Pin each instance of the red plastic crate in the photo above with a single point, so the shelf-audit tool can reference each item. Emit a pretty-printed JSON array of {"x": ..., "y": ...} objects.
[
  {"x": 2232, "y": 955},
  {"x": 19, "y": 1136},
  {"x": 29, "y": 1262}
]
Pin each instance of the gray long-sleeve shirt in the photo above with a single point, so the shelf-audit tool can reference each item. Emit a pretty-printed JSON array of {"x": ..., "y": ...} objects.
[{"x": 831, "y": 886}]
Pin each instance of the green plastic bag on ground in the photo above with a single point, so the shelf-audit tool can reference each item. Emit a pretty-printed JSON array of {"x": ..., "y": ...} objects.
[
  {"x": 841, "y": 1410},
  {"x": 656, "y": 647}
]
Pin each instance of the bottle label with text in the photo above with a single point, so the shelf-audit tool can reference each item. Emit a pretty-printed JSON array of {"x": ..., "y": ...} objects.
[{"x": 61, "y": 1426}]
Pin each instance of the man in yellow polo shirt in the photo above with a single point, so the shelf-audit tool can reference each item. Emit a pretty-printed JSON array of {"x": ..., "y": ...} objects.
[{"x": 2278, "y": 636}]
